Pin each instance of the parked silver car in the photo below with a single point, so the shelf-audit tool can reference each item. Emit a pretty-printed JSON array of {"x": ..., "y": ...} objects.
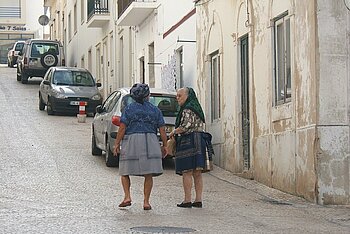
[
  {"x": 106, "y": 122},
  {"x": 63, "y": 89},
  {"x": 12, "y": 54}
]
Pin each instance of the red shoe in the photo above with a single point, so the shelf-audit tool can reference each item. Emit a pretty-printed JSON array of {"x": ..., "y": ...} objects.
[{"x": 125, "y": 204}]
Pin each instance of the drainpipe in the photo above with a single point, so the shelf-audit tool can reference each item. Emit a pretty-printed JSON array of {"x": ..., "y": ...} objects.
[{"x": 317, "y": 85}]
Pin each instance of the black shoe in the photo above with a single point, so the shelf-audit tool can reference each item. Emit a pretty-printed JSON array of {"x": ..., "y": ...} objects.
[
  {"x": 197, "y": 204},
  {"x": 185, "y": 205}
]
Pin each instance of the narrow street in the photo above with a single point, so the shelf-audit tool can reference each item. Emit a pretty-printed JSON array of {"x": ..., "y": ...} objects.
[{"x": 50, "y": 183}]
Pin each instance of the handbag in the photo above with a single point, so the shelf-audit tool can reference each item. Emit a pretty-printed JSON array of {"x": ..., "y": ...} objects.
[
  {"x": 171, "y": 146},
  {"x": 209, "y": 152}
]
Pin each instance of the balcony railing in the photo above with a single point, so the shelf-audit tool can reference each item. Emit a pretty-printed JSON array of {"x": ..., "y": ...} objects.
[
  {"x": 124, "y": 4},
  {"x": 97, "y": 7},
  {"x": 133, "y": 13}
]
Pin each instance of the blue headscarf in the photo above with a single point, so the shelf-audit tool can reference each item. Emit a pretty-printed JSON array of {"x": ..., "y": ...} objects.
[{"x": 139, "y": 92}]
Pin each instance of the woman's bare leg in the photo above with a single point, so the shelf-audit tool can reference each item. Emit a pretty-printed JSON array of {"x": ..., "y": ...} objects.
[
  {"x": 126, "y": 187},
  {"x": 148, "y": 184},
  {"x": 198, "y": 185},
  {"x": 187, "y": 185}
]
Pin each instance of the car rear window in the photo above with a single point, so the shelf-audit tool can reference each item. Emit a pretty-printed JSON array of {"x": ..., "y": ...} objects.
[
  {"x": 166, "y": 103},
  {"x": 73, "y": 78},
  {"x": 39, "y": 49}
]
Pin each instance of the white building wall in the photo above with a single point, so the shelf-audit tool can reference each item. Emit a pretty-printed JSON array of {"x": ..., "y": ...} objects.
[
  {"x": 28, "y": 23},
  {"x": 165, "y": 61},
  {"x": 85, "y": 39},
  {"x": 302, "y": 146},
  {"x": 216, "y": 31},
  {"x": 33, "y": 11},
  {"x": 182, "y": 37},
  {"x": 12, "y": 18},
  {"x": 95, "y": 48},
  {"x": 334, "y": 103},
  {"x": 14, "y": 27},
  {"x": 144, "y": 35}
]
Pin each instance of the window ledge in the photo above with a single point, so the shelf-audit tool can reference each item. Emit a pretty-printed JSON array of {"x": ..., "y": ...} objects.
[{"x": 282, "y": 112}]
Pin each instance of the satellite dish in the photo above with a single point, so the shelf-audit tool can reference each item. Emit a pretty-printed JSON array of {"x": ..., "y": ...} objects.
[{"x": 43, "y": 20}]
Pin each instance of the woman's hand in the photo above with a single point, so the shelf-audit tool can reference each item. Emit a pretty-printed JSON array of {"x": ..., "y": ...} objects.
[
  {"x": 164, "y": 139},
  {"x": 116, "y": 150},
  {"x": 164, "y": 151},
  {"x": 172, "y": 133},
  {"x": 120, "y": 135}
]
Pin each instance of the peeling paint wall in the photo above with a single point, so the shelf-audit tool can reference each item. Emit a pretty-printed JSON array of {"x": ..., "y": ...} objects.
[
  {"x": 290, "y": 147},
  {"x": 333, "y": 102}
]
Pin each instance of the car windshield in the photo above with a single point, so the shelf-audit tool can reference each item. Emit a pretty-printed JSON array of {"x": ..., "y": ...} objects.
[
  {"x": 19, "y": 46},
  {"x": 39, "y": 49},
  {"x": 73, "y": 78},
  {"x": 166, "y": 103}
]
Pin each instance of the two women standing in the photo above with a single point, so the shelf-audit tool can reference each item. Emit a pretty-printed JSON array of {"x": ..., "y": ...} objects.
[{"x": 141, "y": 153}]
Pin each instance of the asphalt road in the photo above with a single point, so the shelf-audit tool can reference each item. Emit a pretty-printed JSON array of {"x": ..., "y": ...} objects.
[{"x": 50, "y": 183}]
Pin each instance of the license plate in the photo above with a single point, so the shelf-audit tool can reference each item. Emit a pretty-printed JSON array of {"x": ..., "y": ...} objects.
[{"x": 77, "y": 103}]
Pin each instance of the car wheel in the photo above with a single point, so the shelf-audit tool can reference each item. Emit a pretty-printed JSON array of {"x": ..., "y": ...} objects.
[
  {"x": 18, "y": 75},
  {"x": 111, "y": 160},
  {"x": 49, "y": 108},
  {"x": 41, "y": 103},
  {"x": 49, "y": 59},
  {"x": 94, "y": 149},
  {"x": 24, "y": 78}
]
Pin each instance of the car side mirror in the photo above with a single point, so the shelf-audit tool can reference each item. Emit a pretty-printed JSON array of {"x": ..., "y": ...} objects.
[
  {"x": 98, "y": 84},
  {"x": 99, "y": 109},
  {"x": 20, "y": 53},
  {"x": 46, "y": 82}
]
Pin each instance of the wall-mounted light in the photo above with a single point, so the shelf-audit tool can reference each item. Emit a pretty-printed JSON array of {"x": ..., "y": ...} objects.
[
  {"x": 192, "y": 41},
  {"x": 154, "y": 64}
]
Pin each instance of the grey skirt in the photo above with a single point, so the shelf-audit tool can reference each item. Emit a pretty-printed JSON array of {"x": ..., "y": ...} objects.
[{"x": 140, "y": 154}]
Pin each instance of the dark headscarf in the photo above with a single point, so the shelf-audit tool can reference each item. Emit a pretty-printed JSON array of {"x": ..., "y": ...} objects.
[
  {"x": 139, "y": 92},
  {"x": 192, "y": 104}
]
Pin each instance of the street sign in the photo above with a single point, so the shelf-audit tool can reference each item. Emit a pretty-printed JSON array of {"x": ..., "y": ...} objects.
[{"x": 43, "y": 20}]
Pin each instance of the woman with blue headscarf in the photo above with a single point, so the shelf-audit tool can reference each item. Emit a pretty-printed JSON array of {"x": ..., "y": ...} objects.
[{"x": 138, "y": 145}]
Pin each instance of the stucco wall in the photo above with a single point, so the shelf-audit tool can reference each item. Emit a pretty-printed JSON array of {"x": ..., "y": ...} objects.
[
  {"x": 153, "y": 29},
  {"x": 282, "y": 137},
  {"x": 214, "y": 33},
  {"x": 333, "y": 102},
  {"x": 302, "y": 146}
]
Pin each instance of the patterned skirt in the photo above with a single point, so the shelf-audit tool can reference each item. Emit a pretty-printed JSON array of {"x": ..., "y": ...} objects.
[
  {"x": 193, "y": 152},
  {"x": 140, "y": 154}
]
